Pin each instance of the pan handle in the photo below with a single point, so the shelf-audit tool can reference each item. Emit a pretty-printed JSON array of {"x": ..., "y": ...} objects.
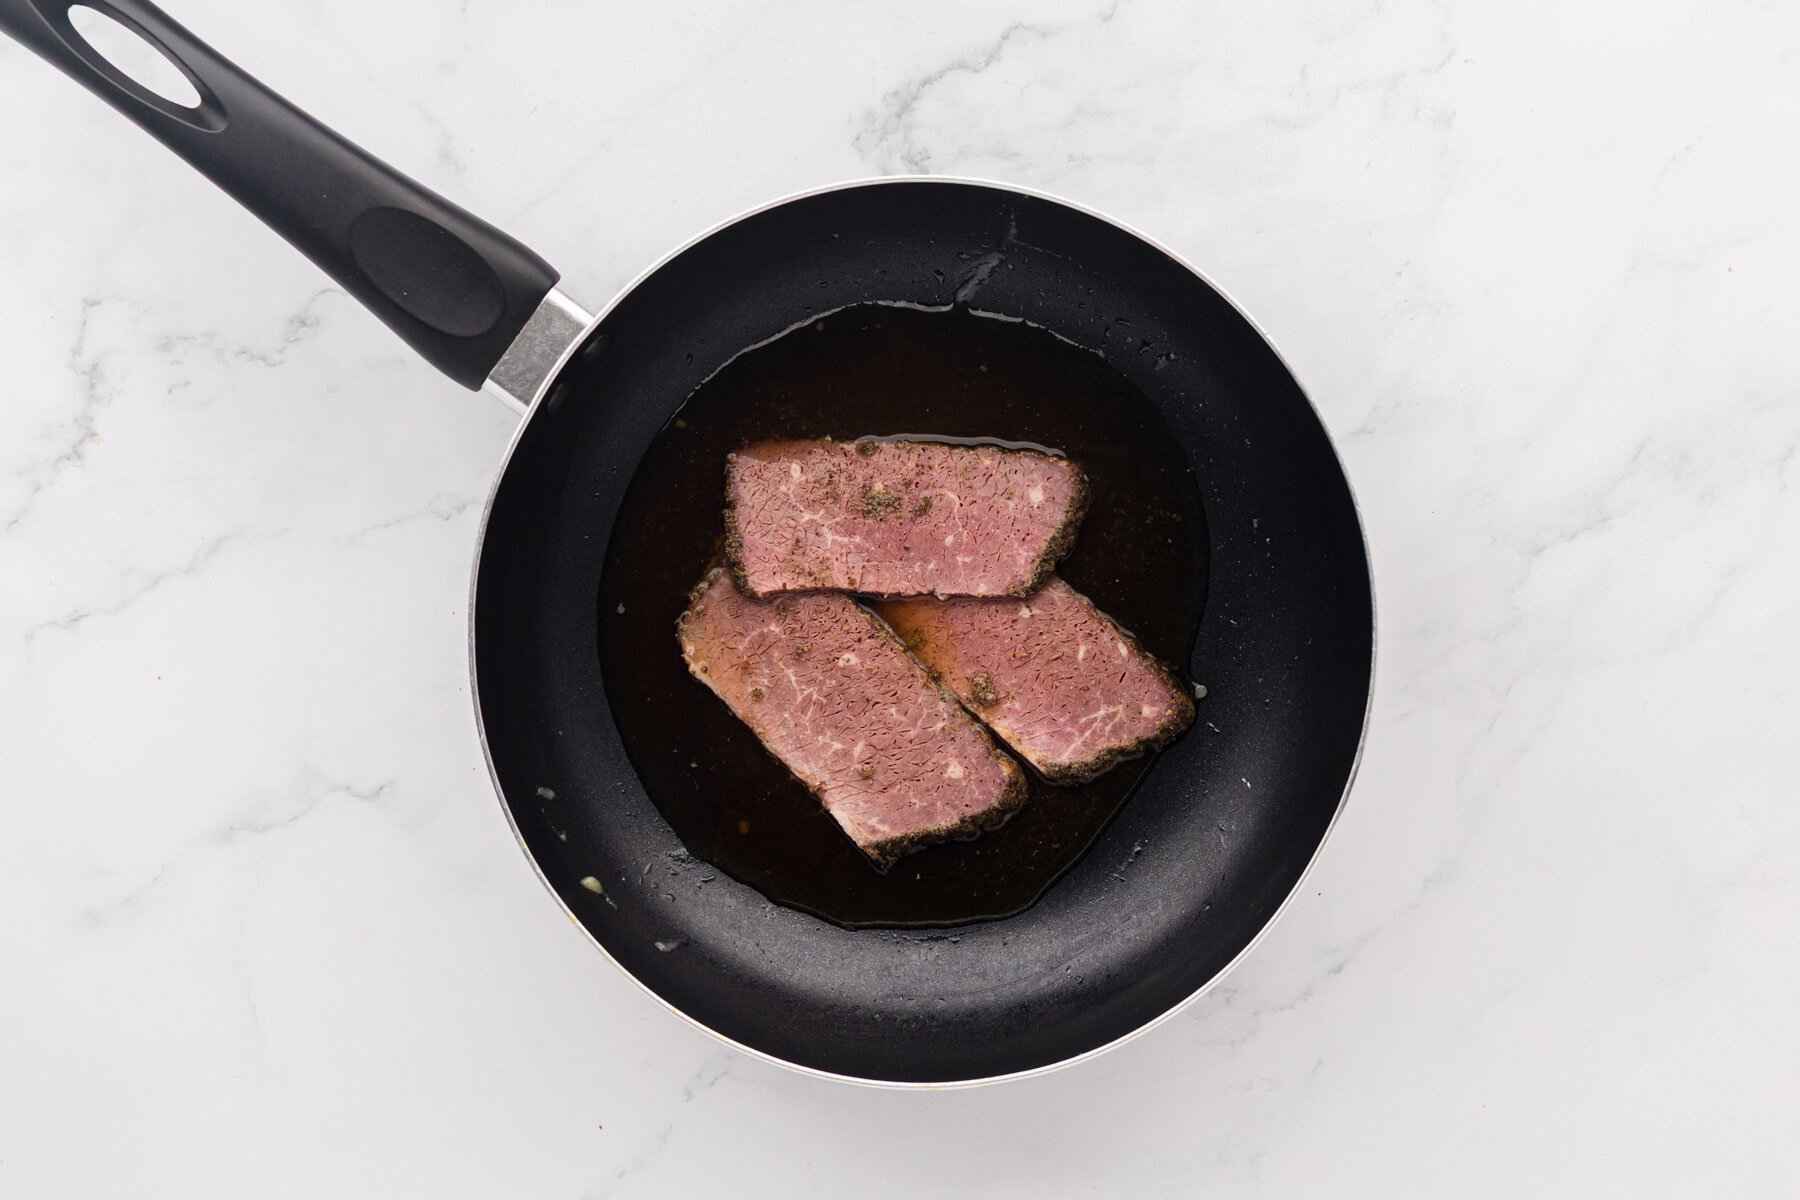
[{"x": 456, "y": 289}]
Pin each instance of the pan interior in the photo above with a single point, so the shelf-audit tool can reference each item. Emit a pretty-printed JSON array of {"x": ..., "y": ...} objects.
[
  {"x": 878, "y": 369},
  {"x": 1192, "y": 866}
]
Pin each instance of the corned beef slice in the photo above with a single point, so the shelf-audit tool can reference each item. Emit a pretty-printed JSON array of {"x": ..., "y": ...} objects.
[
  {"x": 898, "y": 518},
  {"x": 1052, "y": 675},
  {"x": 838, "y": 700}
]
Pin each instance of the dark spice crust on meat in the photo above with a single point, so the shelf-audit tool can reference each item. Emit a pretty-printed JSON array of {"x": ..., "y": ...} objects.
[
  {"x": 1058, "y": 547},
  {"x": 1180, "y": 717},
  {"x": 878, "y": 502},
  {"x": 885, "y": 854},
  {"x": 1063, "y": 540},
  {"x": 1173, "y": 727},
  {"x": 982, "y": 696},
  {"x": 697, "y": 591},
  {"x": 733, "y": 545},
  {"x": 734, "y": 541}
]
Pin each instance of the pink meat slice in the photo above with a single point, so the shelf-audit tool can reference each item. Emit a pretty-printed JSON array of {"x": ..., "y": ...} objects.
[
  {"x": 898, "y": 518},
  {"x": 838, "y": 700},
  {"x": 1057, "y": 679}
]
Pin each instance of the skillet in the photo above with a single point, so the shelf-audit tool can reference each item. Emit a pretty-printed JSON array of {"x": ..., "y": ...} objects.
[{"x": 1222, "y": 828}]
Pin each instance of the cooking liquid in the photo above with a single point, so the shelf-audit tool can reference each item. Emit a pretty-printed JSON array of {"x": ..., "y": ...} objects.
[{"x": 875, "y": 370}]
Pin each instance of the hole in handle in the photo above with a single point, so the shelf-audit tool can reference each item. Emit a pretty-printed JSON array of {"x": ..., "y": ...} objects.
[{"x": 134, "y": 57}]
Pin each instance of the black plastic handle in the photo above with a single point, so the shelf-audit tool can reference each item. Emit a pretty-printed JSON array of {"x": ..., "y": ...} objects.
[{"x": 454, "y": 287}]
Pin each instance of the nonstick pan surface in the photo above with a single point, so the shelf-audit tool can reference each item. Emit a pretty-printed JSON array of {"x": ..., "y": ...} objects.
[{"x": 1223, "y": 825}]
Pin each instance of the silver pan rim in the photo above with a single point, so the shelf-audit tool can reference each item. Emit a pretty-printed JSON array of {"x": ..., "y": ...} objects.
[{"x": 549, "y": 380}]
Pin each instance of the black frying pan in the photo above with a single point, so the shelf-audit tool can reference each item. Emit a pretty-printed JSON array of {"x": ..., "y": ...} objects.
[{"x": 1286, "y": 643}]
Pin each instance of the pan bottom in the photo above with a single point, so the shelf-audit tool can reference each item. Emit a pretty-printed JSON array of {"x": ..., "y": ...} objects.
[{"x": 878, "y": 370}]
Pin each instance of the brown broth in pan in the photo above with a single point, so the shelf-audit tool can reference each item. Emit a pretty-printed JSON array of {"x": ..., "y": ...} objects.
[{"x": 875, "y": 370}]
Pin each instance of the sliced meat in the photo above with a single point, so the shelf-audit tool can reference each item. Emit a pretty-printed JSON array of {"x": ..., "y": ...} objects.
[
  {"x": 898, "y": 518},
  {"x": 839, "y": 701},
  {"x": 1060, "y": 683}
]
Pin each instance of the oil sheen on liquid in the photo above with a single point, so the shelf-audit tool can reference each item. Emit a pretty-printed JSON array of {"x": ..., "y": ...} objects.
[{"x": 876, "y": 370}]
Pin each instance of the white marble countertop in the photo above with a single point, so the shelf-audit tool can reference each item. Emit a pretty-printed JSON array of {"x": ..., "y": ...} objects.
[{"x": 266, "y": 933}]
